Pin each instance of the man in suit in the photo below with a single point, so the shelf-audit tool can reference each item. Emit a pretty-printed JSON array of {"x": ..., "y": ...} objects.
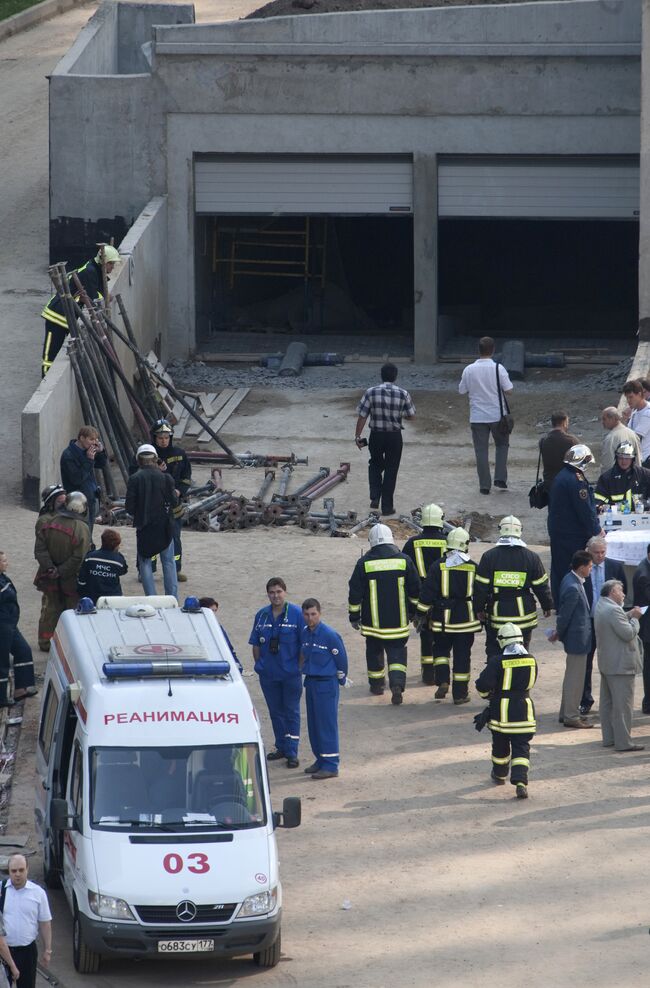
[
  {"x": 616, "y": 433},
  {"x": 617, "y": 660},
  {"x": 641, "y": 589},
  {"x": 573, "y": 629},
  {"x": 603, "y": 569},
  {"x": 553, "y": 447}
]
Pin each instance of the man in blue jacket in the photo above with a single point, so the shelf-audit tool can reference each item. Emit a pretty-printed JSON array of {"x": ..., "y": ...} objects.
[
  {"x": 325, "y": 667},
  {"x": 573, "y": 629},
  {"x": 572, "y": 516},
  {"x": 275, "y": 638},
  {"x": 79, "y": 460},
  {"x": 13, "y": 643}
]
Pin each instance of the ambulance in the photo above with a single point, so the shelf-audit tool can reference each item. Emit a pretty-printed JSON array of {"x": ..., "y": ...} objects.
[{"x": 153, "y": 802}]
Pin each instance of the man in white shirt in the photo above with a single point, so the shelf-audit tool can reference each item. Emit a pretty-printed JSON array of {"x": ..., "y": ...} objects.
[
  {"x": 479, "y": 381},
  {"x": 640, "y": 417},
  {"x": 26, "y": 913}
]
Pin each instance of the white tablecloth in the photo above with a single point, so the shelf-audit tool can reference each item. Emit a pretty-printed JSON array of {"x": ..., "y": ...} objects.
[{"x": 628, "y": 546}]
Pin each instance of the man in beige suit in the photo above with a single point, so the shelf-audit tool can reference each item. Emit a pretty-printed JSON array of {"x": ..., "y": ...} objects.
[
  {"x": 616, "y": 633},
  {"x": 616, "y": 432}
]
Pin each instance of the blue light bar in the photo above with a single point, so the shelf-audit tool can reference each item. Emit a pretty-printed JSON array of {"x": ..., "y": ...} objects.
[{"x": 164, "y": 667}]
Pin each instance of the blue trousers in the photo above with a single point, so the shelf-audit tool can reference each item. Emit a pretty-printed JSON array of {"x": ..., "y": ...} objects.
[
  {"x": 283, "y": 700},
  {"x": 169, "y": 573},
  {"x": 13, "y": 643},
  {"x": 322, "y": 700}
]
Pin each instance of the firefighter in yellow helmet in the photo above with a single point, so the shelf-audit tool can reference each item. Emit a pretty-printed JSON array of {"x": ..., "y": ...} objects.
[
  {"x": 425, "y": 549},
  {"x": 91, "y": 277},
  {"x": 507, "y": 680}
]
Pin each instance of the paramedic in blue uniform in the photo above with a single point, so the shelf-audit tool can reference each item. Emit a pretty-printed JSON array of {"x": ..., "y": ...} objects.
[
  {"x": 275, "y": 638},
  {"x": 324, "y": 664}
]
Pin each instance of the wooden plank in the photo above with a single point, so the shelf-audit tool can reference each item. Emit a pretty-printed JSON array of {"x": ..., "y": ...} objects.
[
  {"x": 184, "y": 420},
  {"x": 206, "y": 405},
  {"x": 228, "y": 409},
  {"x": 176, "y": 413},
  {"x": 217, "y": 404}
]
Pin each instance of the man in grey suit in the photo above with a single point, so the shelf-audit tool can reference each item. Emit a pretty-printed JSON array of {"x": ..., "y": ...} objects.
[
  {"x": 573, "y": 629},
  {"x": 603, "y": 569},
  {"x": 617, "y": 661}
]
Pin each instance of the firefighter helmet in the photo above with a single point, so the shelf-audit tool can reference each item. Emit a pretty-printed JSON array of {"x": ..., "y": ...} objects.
[
  {"x": 161, "y": 427},
  {"x": 380, "y": 535},
  {"x": 432, "y": 516},
  {"x": 76, "y": 502},
  {"x": 578, "y": 456},
  {"x": 510, "y": 526},
  {"x": 625, "y": 448},
  {"x": 107, "y": 254},
  {"x": 509, "y": 633},
  {"x": 458, "y": 538},
  {"x": 50, "y": 492}
]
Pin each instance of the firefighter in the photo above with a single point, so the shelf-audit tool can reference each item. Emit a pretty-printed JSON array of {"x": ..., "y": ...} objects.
[
  {"x": 507, "y": 577},
  {"x": 507, "y": 680},
  {"x": 425, "y": 549},
  {"x": 60, "y": 551},
  {"x": 572, "y": 516},
  {"x": 445, "y": 604},
  {"x": 92, "y": 278},
  {"x": 624, "y": 481},
  {"x": 384, "y": 589}
]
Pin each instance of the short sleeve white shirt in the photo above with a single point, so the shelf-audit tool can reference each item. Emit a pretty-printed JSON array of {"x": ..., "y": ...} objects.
[
  {"x": 24, "y": 909},
  {"x": 640, "y": 423},
  {"x": 479, "y": 381}
]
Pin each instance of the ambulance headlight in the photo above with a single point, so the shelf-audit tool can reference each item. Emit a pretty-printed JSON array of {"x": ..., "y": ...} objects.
[
  {"x": 109, "y": 908},
  {"x": 263, "y": 902}
]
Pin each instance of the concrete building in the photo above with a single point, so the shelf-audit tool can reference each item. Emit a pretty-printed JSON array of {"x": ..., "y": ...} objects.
[{"x": 413, "y": 173}]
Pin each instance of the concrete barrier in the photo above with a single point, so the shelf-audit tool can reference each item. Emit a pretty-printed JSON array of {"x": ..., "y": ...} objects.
[{"x": 53, "y": 414}]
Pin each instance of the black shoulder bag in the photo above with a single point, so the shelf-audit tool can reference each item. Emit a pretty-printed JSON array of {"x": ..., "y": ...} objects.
[
  {"x": 506, "y": 423},
  {"x": 538, "y": 495}
]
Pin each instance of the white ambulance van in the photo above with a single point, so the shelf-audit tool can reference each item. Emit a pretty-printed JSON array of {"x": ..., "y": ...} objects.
[{"x": 153, "y": 798}]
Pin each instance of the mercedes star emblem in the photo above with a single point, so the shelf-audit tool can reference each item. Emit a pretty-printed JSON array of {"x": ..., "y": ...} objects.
[{"x": 186, "y": 911}]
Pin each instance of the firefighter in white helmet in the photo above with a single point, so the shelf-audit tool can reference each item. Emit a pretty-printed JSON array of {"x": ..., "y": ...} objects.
[
  {"x": 425, "y": 549},
  {"x": 445, "y": 607},
  {"x": 91, "y": 277},
  {"x": 624, "y": 482},
  {"x": 572, "y": 516},
  {"x": 508, "y": 579},
  {"x": 507, "y": 680},
  {"x": 384, "y": 589}
]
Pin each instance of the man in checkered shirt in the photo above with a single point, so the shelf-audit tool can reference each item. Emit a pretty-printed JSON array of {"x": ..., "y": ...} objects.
[{"x": 385, "y": 405}]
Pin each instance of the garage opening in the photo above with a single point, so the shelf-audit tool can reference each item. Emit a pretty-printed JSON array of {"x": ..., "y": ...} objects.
[
  {"x": 299, "y": 245},
  {"x": 544, "y": 248}
]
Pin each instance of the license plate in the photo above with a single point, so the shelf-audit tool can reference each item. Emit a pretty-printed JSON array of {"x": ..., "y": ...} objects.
[{"x": 184, "y": 946}]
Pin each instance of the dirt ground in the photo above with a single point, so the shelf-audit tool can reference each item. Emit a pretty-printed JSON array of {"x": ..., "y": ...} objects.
[
  {"x": 283, "y": 8},
  {"x": 449, "y": 880}
]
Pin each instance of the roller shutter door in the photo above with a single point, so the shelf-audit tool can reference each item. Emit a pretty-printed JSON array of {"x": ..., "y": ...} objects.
[
  {"x": 539, "y": 188},
  {"x": 299, "y": 185}
]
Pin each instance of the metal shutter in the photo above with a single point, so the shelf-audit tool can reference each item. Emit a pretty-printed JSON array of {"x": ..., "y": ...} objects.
[
  {"x": 552, "y": 188},
  {"x": 291, "y": 184}
]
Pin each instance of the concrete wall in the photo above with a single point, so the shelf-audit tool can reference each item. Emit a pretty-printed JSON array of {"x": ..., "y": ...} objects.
[
  {"x": 536, "y": 78},
  {"x": 53, "y": 414}
]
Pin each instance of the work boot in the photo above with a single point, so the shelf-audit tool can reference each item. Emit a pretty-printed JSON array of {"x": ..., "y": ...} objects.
[
  {"x": 396, "y": 695},
  {"x": 323, "y": 773},
  {"x": 181, "y": 577},
  {"x": 442, "y": 691},
  {"x": 497, "y": 779},
  {"x": 522, "y": 791},
  {"x": 461, "y": 699},
  {"x": 311, "y": 768},
  {"x": 377, "y": 689},
  {"x": 274, "y": 756},
  {"x": 292, "y": 763}
]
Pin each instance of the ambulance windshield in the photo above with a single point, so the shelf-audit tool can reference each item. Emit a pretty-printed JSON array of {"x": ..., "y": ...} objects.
[{"x": 177, "y": 788}]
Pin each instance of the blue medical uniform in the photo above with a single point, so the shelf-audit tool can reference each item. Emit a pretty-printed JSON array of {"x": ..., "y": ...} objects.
[
  {"x": 324, "y": 658},
  {"x": 279, "y": 673}
]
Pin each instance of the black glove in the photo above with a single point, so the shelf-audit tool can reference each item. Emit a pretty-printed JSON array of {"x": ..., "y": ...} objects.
[{"x": 481, "y": 719}]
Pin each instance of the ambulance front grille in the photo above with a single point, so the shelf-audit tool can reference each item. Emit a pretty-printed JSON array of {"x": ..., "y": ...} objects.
[{"x": 204, "y": 914}]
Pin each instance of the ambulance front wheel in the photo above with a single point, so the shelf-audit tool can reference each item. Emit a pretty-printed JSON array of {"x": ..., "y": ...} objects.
[
  {"x": 86, "y": 961},
  {"x": 271, "y": 956}
]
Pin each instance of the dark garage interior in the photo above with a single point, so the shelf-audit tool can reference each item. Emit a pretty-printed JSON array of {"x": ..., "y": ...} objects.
[
  {"x": 523, "y": 278},
  {"x": 311, "y": 275}
]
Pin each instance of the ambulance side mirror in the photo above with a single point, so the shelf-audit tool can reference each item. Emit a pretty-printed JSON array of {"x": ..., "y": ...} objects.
[
  {"x": 60, "y": 816},
  {"x": 291, "y": 813}
]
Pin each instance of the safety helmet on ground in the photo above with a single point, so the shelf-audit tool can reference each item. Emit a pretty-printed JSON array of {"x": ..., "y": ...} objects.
[
  {"x": 432, "y": 516},
  {"x": 77, "y": 502},
  {"x": 160, "y": 427},
  {"x": 458, "y": 538},
  {"x": 626, "y": 448},
  {"x": 510, "y": 526},
  {"x": 380, "y": 535},
  {"x": 50, "y": 492},
  {"x": 509, "y": 633},
  {"x": 146, "y": 450},
  {"x": 578, "y": 456},
  {"x": 107, "y": 254}
]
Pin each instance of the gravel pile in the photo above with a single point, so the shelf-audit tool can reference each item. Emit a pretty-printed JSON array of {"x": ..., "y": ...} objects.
[{"x": 613, "y": 378}]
